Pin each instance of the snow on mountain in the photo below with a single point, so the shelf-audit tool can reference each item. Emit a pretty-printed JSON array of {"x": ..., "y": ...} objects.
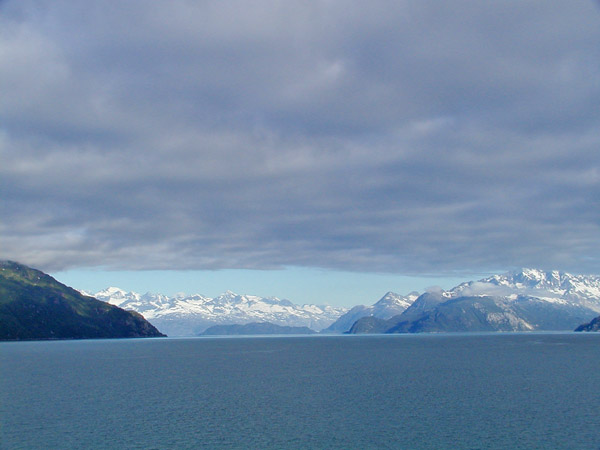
[
  {"x": 548, "y": 286},
  {"x": 144, "y": 304},
  {"x": 523, "y": 299},
  {"x": 190, "y": 315},
  {"x": 391, "y": 304}
]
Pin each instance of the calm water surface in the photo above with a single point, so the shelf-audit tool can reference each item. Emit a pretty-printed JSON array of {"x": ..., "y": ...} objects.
[{"x": 500, "y": 391}]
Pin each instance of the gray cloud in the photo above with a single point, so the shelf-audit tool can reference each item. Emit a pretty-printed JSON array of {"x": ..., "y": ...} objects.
[{"x": 408, "y": 137}]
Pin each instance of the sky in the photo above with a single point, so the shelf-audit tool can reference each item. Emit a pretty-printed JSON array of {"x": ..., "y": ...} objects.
[{"x": 324, "y": 151}]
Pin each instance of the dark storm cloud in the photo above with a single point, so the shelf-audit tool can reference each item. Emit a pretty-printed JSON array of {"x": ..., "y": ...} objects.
[{"x": 409, "y": 137}]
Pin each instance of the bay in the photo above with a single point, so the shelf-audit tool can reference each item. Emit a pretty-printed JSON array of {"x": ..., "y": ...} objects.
[{"x": 430, "y": 391}]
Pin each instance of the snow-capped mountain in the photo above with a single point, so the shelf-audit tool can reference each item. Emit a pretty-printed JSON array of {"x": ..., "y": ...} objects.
[
  {"x": 549, "y": 286},
  {"x": 144, "y": 304},
  {"x": 526, "y": 299},
  {"x": 390, "y": 305},
  {"x": 183, "y": 315},
  {"x": 523, "y": 300}
]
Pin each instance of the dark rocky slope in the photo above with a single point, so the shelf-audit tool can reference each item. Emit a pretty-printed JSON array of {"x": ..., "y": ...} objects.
[
  {"x": 33, "y": 305},
  {"x": 594, "y": 325}
]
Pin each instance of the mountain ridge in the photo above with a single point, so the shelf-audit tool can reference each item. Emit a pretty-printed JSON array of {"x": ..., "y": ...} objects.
[
  {"x": 188, "y": 315},
  {"x": 523, "y": 300},
  {"x": 386, "y": 307},
  {"x": 34, "y": 305},
  {"x": 592, "y": 326}
]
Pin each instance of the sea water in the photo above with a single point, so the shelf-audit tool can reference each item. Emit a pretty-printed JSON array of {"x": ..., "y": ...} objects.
[{"x": 433, "y": 391}]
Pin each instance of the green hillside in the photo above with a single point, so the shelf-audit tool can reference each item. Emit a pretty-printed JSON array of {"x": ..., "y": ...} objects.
[{"x": 33, "y": 305}]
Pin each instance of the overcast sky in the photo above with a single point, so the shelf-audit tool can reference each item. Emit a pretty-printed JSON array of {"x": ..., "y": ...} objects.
[{"x": 416, "y": 138}]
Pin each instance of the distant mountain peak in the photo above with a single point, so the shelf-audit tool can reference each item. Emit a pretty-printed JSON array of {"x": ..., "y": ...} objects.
[
  {"x": 114, "y": 290},
  {"x": 190, "y": 315},
  {"x": 548, "y": 284},
  {"x": 391, "y": 298},
  {"x": 522, "y": 300},
  {"x": 229, "y": 293},
  {"x": 389, "y": 305}
]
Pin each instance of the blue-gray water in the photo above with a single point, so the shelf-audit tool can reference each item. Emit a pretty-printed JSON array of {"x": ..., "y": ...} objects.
[{"x": 500, "y": 391}]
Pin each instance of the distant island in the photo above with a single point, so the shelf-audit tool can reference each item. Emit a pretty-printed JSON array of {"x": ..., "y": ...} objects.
[
  {"x": 255, "y": 328},
  {"x": 33, "y": 305}
]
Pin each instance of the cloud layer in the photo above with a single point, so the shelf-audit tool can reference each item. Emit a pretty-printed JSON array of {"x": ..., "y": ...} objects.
[{"x": 408, "y": 137}]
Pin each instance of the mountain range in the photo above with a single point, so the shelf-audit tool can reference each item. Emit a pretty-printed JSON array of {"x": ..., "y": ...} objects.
[
  {"x": 33, "y": 305},
  {"x": 524, "y": 300},
  {"x": 184, "y": 315}
]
